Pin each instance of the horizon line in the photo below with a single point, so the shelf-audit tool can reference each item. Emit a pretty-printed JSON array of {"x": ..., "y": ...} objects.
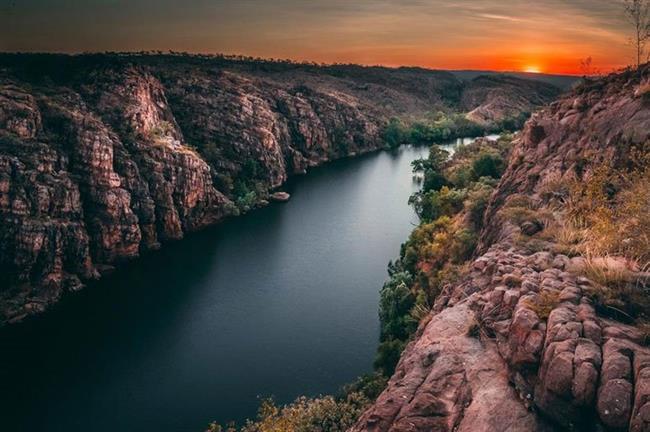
[{"x": 302, "y": 62}]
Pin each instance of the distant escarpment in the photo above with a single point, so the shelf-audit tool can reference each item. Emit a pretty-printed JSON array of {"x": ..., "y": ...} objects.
[
  {"x": 545, "y": 327},
  {"x": 104, "y": 157},
  {"x": 491, "y": 98}
]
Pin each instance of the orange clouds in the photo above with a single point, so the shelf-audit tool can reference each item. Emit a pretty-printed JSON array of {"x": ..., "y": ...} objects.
[{"x": 551, "y": 36}]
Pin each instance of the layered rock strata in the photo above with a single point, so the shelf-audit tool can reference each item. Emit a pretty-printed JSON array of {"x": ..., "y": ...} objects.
[{"x": 104, "y": 157}]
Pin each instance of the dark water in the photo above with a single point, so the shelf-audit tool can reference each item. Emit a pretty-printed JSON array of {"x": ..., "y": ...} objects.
[{"x": 282, "y": 301}]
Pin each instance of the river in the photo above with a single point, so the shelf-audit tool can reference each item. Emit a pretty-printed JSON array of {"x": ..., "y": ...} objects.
[{"x": 282, "y": 301}]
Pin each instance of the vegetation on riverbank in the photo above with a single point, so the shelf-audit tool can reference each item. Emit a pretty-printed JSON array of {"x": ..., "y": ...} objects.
[
  {"x": 438, "y": 127},
  {"x": 324, "y": 413},
  {"x": 450, "y": 205}
]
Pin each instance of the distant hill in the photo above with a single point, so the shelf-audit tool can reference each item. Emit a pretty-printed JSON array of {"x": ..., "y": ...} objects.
[{"x": 562, "y": 81}]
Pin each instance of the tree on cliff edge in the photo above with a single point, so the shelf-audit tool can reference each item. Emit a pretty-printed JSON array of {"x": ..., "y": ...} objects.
[{"x": 638, "y": 14}]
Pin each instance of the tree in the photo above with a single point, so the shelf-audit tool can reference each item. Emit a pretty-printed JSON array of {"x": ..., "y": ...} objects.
[{"x": 638, "y": 14}]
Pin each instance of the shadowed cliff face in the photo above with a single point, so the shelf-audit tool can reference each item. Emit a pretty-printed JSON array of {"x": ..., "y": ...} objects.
[
  {"x": 103, "y": 158},
  {"x": 489, "y": 357}
]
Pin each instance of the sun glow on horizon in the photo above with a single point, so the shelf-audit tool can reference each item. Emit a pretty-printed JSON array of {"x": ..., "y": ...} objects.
[{"x": 533, "y": 69}]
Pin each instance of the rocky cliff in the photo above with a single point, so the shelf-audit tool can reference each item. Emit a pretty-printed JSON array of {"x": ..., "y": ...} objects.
[
  {"x": 490, "y": 98},
  {"x": 522, "y": 341},
  {"x": 104, "y": 157}
]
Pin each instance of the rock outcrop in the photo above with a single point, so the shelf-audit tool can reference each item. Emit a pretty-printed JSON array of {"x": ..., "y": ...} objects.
[
  {"x": 104, "y": 157},
  {"x": 489, "y": 99},
  {"x": 517, "y": 344}
]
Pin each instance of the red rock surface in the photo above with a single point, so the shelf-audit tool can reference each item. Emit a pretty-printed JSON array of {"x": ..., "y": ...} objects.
[
  {"x": 103, "y": 157},
  {"x": 484, "y": 360}
]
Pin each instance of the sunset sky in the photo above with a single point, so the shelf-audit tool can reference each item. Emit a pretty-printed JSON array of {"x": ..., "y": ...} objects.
[{"x": 545, "y": 35}]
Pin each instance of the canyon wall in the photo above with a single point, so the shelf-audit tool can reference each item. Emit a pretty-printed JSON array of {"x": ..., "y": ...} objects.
[
  {"x": 519, "y": 343},
  {"x": 104, "y": 157}
]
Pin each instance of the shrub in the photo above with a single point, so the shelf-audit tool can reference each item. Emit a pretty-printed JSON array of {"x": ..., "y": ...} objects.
[
  {"x": 388, "y": 355},
  {"x": 432, "y": 167},
  {"x": 462, "y": 246},
  {"x": 632, "y": 219},
  {"x": 612, "y": 206},
  {"x": 211, "y": 151},
  {"x": 395, "y": 303},
  {"x": 395, "y": 133},
  {"x": 435, "y": 161},
  {"x": 434, "y": 204},
  {"x": 435, "y": 128},
  {"x": 247, "y": 201},
  {"x": 161, "y": 131},
  {"x": 512, "y": 124},
  {"x": 419, "y": 246},
  {"x": 488, "y": 165},
  {"x": 643, "y": 90},
  {"x": 478, "y": 161},
  {"x": 477, "y": 201},
  {"x": 568, "y": 239},
  {"x": 521, "y": 210},
  {"x": 369, "y": 385},
  {"x": 322, "y": 414}
]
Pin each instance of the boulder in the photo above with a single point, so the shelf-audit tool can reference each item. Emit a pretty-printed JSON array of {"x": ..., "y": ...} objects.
[{"x": 280, "y": 197}]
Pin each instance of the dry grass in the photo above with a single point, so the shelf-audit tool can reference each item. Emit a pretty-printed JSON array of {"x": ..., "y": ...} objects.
[
  {"x": 566, "y": 238},
  {"x": 619, "y": 288},
  {"x": 521, "y": 209},
  {"x": 643, "y": 90},
  {"x": 544, "y": 303},
  {"x": 555, "y": 191},
  {"x": 420, "y": 311},
  {"x": 611, "y": 208},
  {"x": 644, "y": 328},
  {"x": 608, "y": 271}
]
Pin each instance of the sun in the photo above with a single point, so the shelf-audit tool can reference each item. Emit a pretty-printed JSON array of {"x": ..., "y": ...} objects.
[{"x": 532, "y": 69}]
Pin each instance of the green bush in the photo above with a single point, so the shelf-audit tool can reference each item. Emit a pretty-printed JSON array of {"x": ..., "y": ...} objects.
[
  {"x": 432, "y": 169},
  {"x": 247, "y": 201},
  {"x": 369, "y": 385},
  {"x": 321, "y": 414},
  {"x": 395, "y": 133},
  {"x": 396, "y": 301},
  {"x": 477, "y": 201},
  {"x": 444, "y": 127},
  {"x": 436, "y": 203},
  {"x": 388, "y": 355},
  {"x": 488, "y": 165},
  {"x": 434, "y": 128},
  {"x": 512, "y": 124}
]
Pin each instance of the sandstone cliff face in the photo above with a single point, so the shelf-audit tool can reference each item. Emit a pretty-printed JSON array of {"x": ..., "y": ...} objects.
[
  {"x": 103, "y": 158},
  {"x": 97, "y": 170},
  {"x": 484, "y": 360}
]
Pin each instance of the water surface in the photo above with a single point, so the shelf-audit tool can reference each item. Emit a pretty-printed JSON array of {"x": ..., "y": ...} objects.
[{"x": 282, "y": 301}]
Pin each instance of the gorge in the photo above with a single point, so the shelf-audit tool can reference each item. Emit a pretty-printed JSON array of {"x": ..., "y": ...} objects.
[
  {"x": 544, "y": 326},
  {"x": 103, "y": 157},
  {"x": 519, "y": 299},
  {"x": 203, "y": 328}
]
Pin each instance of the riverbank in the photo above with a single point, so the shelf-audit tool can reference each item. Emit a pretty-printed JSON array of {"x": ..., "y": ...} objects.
[
  {"x": 237, "y": 312},
  {"x": 457, "y": 181},
  {"x": 545, "y": 327},
  {"x": 106, "y": 157}
]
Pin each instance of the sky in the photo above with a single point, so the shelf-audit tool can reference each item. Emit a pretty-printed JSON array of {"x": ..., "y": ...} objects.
[{"x": 539, "y": 36}]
